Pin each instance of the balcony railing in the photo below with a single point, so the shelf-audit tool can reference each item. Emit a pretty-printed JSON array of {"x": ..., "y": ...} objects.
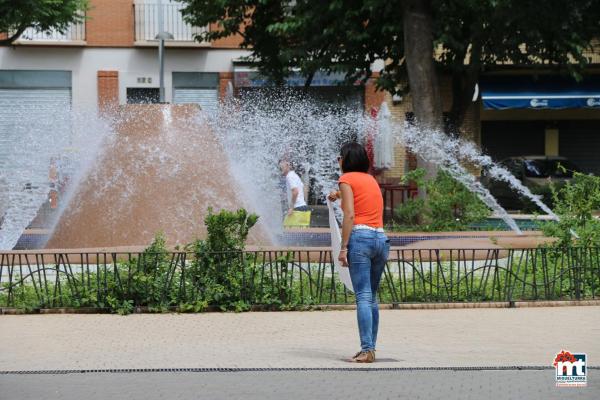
[
  {"x": 147, "y": 26},
  {"x": 73, "y": 33}
]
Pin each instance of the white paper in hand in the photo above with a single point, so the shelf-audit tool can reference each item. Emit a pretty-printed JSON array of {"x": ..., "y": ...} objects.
[{"x": 336, "y": 245}]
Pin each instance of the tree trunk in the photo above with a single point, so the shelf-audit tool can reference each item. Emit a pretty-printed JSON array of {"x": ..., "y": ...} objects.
[
  {"x": 422, "y": 74},
  {"x": 464, "y": 79}
]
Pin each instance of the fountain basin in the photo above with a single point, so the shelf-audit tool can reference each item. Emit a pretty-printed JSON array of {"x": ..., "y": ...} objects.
[
  {"x": 311, "y": 244},
  {"x": 506, "y": 239}
]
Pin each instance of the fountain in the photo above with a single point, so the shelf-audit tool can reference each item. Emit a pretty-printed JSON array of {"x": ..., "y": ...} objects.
[
  {"x": 448, "y": 152},
  {"x": 158, "y": 173},
  {"x": 153, "y": 168},
  {"x": 32, "y": 149},
  {"x": 294, "y": 124},
  {"x": 257, "y": 132}
]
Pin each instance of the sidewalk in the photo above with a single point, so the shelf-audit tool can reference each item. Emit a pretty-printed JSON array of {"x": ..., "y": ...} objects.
[{"x": 318, "y": 339}]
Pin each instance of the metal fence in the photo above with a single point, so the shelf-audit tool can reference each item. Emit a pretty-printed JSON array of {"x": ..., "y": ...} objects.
[
  {"x": 49, "y": 280},
  {"x": 147, "y": 22}
]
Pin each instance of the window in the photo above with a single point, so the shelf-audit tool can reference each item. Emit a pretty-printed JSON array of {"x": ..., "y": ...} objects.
[{"x": 143, "y": 95}]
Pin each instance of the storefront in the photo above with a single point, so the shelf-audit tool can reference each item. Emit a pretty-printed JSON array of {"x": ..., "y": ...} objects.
[{"x": 549, "y": 115}]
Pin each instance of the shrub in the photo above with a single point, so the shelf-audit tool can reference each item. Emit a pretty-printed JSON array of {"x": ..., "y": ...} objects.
[
  {"x": 448, "y": 205},
  {"x": 146, "y": 280},
  {"x": 228, "y": 230},
  {"x": 575, "y": 204},
  {"x": 217, "y": 271},
  {"x": 220, "y": 268}
]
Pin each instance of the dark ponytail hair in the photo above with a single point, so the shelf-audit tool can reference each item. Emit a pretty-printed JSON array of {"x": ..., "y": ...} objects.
[{"x": 354, "y": 158}]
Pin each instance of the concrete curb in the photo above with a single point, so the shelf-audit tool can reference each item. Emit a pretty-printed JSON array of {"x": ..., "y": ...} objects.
[{"x": 330, "y": 307}]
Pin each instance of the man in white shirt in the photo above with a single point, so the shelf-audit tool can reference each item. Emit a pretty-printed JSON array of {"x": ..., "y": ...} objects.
[{"x": 294, "y": 188}]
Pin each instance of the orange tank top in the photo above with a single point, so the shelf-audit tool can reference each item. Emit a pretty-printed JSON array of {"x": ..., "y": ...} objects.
[{"x": 368, "y": 202}]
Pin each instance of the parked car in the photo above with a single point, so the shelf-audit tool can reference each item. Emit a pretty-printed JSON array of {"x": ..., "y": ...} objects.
[{"x": 535, "y": 172}]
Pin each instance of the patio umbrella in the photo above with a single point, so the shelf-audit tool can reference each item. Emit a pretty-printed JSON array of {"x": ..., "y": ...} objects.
[
  {"x": 371, "y": 131},
  {"x": 384, "y": 141}
]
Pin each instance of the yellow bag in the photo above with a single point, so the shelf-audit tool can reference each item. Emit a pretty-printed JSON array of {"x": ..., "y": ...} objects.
[{"x": 297, "y": 219}]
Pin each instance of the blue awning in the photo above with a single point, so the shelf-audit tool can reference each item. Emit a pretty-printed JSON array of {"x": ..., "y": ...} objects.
[{"x": 503, "y": 93}]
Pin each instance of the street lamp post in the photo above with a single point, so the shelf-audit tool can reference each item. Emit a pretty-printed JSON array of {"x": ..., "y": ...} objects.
[{"x": 162, "y": 35}]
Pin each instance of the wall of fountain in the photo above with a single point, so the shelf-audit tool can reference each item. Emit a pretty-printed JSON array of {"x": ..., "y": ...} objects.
[{"x": 159, "y": 172}]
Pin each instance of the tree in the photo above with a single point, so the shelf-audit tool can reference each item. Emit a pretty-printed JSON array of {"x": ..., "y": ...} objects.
[
  {"x": 469, "y": 37},
  {"x": 43, "y": 15},
  {"x": 485, "y": 35}
]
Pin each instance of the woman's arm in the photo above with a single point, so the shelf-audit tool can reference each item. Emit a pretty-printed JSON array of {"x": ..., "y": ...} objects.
[{"x": 348, "y": 221}]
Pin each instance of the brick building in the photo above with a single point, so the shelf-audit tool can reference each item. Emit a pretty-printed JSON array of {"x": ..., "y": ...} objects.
[{"x": 112, "y": 58}]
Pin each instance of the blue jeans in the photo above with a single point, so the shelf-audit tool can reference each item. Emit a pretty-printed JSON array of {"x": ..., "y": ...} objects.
[{"x": 367, "y": 254}]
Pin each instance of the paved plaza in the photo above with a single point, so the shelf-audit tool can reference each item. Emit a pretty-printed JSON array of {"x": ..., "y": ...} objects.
[{"x": 452, "y": 353}]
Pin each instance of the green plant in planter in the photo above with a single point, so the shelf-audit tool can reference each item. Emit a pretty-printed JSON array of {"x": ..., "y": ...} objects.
[
  {"x": 448, "y": 205},
  {"x": 575, "y": 204},
  {"x": 577, "y": 232},
  {"x": 220, "y": 268},
  {"x": 228, "y": 230},
  {"x": 142, "y": 281}
]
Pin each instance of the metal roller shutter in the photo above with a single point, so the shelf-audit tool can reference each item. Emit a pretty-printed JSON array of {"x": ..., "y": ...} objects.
[
  {"x": 208, "y": 99},
  {"x": 26, "y": 115},
  {"x": 580, "y": 142},
  {"x": 35, "y": 125},
  {"x": 502, "y": 139}
]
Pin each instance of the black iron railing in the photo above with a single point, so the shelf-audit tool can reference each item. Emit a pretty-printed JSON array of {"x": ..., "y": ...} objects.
[{"x": 31, "y": 280}]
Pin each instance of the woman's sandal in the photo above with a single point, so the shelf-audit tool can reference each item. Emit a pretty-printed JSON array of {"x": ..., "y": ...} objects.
[
  {"x": 364, "y": 357},
  {"x": 356, "y": 355}
]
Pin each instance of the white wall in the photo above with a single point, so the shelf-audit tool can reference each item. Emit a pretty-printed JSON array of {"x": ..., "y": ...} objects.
[{"x": 84, "y": 63}]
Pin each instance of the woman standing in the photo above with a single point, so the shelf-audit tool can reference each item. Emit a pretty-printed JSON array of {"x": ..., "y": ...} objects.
[{"x": 365, "y": 246}]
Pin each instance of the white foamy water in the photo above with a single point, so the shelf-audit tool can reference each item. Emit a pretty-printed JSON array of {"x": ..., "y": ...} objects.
[
  {"x": 256, "y": 132},
  {"x": 31, "y": 146},
  {"x": 450, "y": 155},
  {"x": 28, "y": 142},
  {"x": 465, "y": 151}
]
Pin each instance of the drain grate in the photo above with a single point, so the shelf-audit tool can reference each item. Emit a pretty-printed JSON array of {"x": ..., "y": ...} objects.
[{"x": 336, "y": 369}]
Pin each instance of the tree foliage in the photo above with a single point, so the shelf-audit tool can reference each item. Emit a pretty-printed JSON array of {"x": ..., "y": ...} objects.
[
  {"x": 470, "y": 37},
  {"x": 576, "y": 204},
  {"x": 43, "y": 15}
]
